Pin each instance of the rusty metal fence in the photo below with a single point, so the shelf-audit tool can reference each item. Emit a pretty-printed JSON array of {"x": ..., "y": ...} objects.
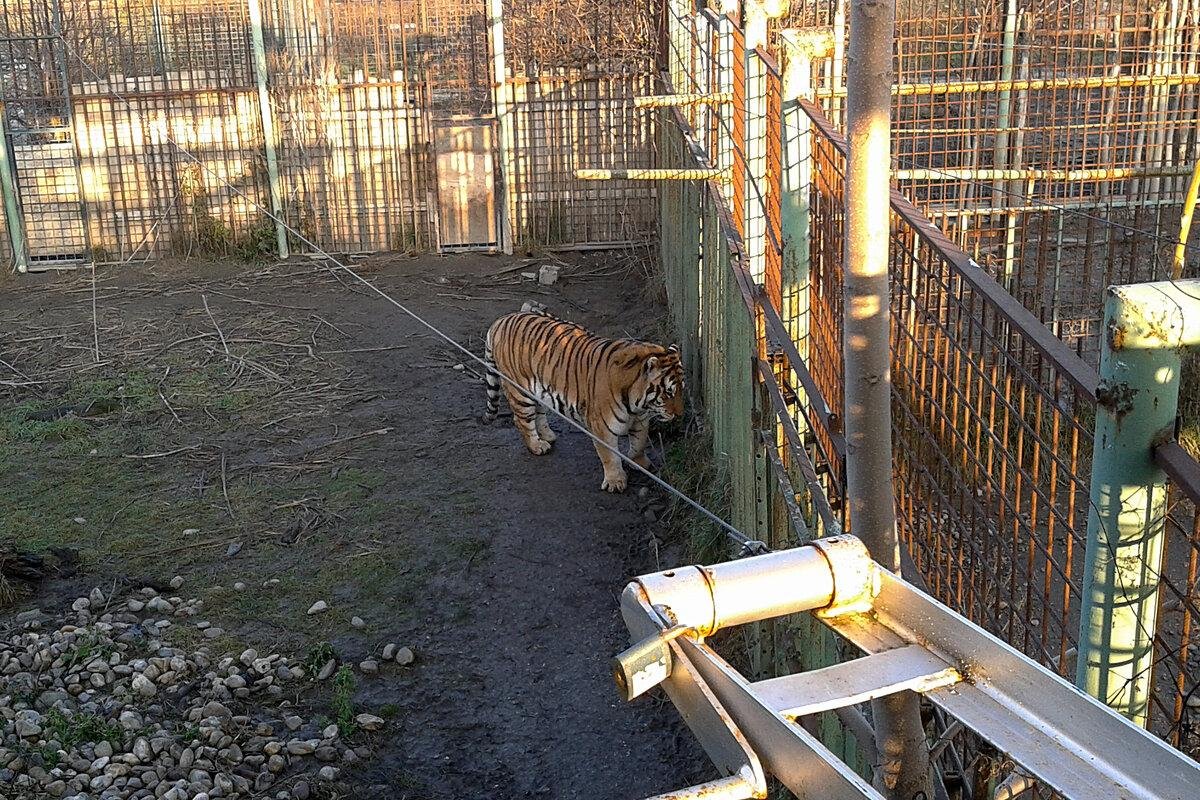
[
  {"x": 994, "y": 412},
  {"x": 993, "y": 420}
]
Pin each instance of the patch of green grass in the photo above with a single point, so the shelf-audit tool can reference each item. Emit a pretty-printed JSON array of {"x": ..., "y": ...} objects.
[
  {"x": 18, "y": 428},
  {"x": 189, "y": 733},
  {"x": 342, "y": 703},
  {"x": 318, "y": 656},
  {"x": 77, "y": 729},
  {"x": 125, "y": 504},
  {"x": 389, "y": 710},
  {"x": 1189, "y": 405},
  {"x": 89, "y": 648},
  {"x": 351, "y": 485},
  {"x": 688, "y": 465},
  {"x": 471, "y": 548},
  {"x": 134, "y": 391}
]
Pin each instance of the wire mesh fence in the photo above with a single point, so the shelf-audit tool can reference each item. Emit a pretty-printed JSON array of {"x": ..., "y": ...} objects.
[
  {"x": 993, "y": 423},
  {"x": 382, "y": 117},
  {"x": 994, "y": 406}
]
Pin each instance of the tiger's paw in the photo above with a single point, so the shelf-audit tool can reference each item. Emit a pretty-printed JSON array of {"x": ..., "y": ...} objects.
[
  {"x": 538, "y": 448},
  {"x": 615, "y": 483},
  {"x": 643, "y": 462},
  {"x": 548, "y": 436}
]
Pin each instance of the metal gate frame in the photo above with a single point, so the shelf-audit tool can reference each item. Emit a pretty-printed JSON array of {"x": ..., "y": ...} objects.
[{"x": 17, "y": 211}]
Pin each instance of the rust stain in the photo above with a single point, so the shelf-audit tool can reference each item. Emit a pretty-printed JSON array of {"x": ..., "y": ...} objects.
[
  {"x": 1117, "y": 398},
  {"x": 1116, "y": 337}
]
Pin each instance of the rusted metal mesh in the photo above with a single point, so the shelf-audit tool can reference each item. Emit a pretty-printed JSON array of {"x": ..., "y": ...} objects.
[{"x": 993, "y": 441}]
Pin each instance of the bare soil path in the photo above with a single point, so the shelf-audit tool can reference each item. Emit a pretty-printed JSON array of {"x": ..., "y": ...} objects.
[{"x": 301, "y": 430}]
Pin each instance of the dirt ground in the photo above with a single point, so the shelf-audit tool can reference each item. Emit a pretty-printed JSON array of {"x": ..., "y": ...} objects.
[{"x": 240, "y": 425}]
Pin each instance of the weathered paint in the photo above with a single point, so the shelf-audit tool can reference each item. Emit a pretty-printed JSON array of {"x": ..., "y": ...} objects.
[{"x": 1147, "y": 328}]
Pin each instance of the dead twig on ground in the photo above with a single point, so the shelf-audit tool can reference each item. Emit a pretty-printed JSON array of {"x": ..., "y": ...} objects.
[
  {"x": 166, "y": 453},
  {"x": 208, "y": 311},
  {"x": 225, "y": 488}
]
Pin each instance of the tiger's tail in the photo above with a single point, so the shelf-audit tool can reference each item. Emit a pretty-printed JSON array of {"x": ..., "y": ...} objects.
[{"x": 492, "y": 379}]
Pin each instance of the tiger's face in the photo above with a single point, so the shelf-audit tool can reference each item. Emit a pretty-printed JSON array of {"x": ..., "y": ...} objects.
[{"x": 664, "y": 385}]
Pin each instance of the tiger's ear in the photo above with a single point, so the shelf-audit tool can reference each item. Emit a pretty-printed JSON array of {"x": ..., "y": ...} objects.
[
  {"x": 673, "y": 348},
  {"x": 651, "y": 363}
]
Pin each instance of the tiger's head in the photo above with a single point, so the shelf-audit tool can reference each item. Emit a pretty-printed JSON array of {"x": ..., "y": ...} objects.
[{"x": 662, "y": 384}]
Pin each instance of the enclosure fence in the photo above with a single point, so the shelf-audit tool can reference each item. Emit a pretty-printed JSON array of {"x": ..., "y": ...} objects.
[
  {"x": 994, "y": 413},
  {"x": 376, "y": 125}
]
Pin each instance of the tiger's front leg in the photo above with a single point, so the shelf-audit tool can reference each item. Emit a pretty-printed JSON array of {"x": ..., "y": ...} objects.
[
  {"x": 615, "y": 479},
  {"x": 639, "y": 434},
  {"x": 524, "y": 418}
]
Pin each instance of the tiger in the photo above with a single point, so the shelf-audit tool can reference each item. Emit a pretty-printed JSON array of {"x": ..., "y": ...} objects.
[{"x": 611, "y": 387}]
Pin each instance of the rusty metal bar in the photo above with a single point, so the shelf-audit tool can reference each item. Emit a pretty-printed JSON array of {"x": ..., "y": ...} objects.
[
  {"x": 1181, "y": 468},
  {"x": 828, "y": 418},
  {"x": 1031, "y": 84},
  {"x": 651, "y": 174},
  {"x": 678, "y": 100},
  {"x": 1097, "y": 174}
]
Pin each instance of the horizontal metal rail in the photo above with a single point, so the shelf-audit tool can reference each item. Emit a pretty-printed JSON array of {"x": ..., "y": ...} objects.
[
  {"x": 829, "y": 419},
  {"x": 1029, "y": 84},
  {"x": 1181, "y": 468},
  {"x": 651, "y": 174},
  {"x": 1094, "y": 174},
  {"x": 1061, "y": 207},
  {"x": 677, "y": 100},
  {"x": 796, "y": 450}
]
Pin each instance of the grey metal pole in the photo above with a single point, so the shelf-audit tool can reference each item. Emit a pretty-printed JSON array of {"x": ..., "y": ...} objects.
[
  {"x": 1146, "y": 328},
  {"x": 903, "y": 772},
  {"x": 12, "y": 208},
  {"x": 504, "y": 124},
  {"x": 268, "y": 125}
]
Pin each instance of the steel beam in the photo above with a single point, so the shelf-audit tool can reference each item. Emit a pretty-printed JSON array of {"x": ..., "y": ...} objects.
[{"x": 1069, "y": 742}]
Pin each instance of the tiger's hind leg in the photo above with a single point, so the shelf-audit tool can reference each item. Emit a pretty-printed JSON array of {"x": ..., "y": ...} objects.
[
  {"x": 639, "y": 434},
  {"x": 525, "y": 412},
  {"x": 543, "y": 427},
  {"x": 493, "y": 383}
]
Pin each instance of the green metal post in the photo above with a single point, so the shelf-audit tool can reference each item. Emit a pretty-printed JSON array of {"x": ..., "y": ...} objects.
[
  {"x": 801, "y": 48},
  {"x": 12, "y": 208},
  {"x": 268, "y": 125},
  {"x": 1146, "y": 328}
]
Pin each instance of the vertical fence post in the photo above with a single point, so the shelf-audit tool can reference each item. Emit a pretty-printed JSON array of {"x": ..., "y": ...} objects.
[
  {"x": 800, "y": 48},
  {"x": 12, "y": 209},
  {"x": 503, "y": 123},
  {"x": 268, "y": 125},
  {"x": 59, "y": 47},
  {"x": 1146, "y": 326},
  {"x": 903, "y": 773}
]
